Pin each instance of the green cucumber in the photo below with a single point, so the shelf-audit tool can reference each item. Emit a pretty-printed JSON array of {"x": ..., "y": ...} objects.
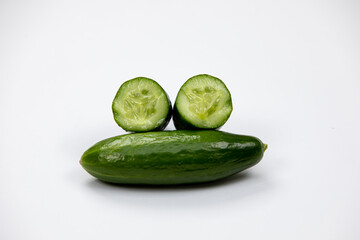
[
  {"x": 203, "y": 102},
  {"x": 141, "y": 105},
  {"x": 171, "y": 157}
]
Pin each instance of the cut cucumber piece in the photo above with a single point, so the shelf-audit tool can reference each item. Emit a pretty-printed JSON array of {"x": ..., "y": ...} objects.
[
  {"x": 141, "y": 105},
  {"x": 203, "y": 102}
]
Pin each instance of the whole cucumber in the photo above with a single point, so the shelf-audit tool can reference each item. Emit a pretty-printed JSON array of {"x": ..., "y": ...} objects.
[{"x": 171, "y": 157}]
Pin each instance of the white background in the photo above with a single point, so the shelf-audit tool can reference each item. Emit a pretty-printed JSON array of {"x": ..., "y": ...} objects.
[{"x": 293, "y": 69}]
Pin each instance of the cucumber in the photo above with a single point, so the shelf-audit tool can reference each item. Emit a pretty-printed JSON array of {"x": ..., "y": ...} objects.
[
  {"x": 203, "y": 102},
  {"x": 171, "y": 157},
  {"x": 141, "y": 105}
]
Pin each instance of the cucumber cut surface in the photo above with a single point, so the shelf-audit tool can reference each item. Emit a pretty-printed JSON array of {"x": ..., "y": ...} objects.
[
  {"x": 141, "y": 105},
  {"x": 203, "y": 102}
]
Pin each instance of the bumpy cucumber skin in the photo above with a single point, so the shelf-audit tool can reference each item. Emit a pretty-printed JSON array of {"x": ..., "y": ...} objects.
[
  {"x": 180, "y": 121},
  {"x": 172, "y": 157},
  {"x": 161, "y": 127}
]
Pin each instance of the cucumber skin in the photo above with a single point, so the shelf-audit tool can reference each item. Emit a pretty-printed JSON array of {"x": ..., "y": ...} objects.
[
  {"x": 181, "y": 123},
  {"x": 167, "y": 119},
  {"x": 172, "y": 157}
]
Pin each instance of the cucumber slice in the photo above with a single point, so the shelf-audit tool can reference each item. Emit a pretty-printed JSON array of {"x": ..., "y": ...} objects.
[
  {"x": 203, "y": 102},
  {"x": 141, "y": 105}
]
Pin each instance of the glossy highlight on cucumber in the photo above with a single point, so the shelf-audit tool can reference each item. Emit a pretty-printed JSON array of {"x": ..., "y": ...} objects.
[
  {"x": 141, "y": 105},
  {"x": 203, "y": 102},
  {"x": 172, "y": 157}
]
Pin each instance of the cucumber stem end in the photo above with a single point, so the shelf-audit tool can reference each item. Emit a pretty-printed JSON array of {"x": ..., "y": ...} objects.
[{"x": 265, "y": 146}]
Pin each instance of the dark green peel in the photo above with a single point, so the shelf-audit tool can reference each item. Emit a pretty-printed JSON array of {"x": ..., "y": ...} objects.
[{"x": 172, "y": 157}]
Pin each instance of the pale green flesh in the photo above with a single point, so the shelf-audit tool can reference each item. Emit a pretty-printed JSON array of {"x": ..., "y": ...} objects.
[
  {"x": 140, "y": 105},
  {"x": 204, "y": 102}
]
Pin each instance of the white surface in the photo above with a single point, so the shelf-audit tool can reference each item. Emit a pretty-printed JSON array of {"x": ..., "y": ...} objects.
[{"x": 293, "y": 68}]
